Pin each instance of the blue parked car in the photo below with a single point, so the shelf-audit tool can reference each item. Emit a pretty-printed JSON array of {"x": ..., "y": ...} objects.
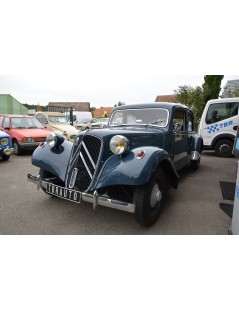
[
  {"x": 126, "y": 166},
  {"x": 5, "y": 145}
]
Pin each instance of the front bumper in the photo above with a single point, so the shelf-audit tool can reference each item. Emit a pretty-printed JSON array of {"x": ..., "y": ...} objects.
[
  {"x": 29, "y": 145},
  {"x": 95, "y": 199}
]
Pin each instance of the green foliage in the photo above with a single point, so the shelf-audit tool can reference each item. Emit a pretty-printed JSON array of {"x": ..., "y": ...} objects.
[
  {"x": 197, "y": 97},
  {"x": 119, "y": 104},
  {"x": 36, "y": 107},
  {"x": 191, "y": 97},
  {"x": 211, "y": 87},
  {"x": 227, "y": 93}
]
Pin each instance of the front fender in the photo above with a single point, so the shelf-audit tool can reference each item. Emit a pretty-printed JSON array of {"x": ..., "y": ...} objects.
[
  {"x": 128, "y": 170},
  {"x": 53, "y": 160}
]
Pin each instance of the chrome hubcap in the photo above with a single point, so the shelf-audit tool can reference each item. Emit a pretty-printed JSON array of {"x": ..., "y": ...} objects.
[
  {"x": 156, "y": 196},
  {"x": 224, "y": 148}
]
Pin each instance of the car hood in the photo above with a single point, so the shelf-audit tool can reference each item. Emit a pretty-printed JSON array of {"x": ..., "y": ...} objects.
[
  {"x": 138, "y": 136},
  {"x": 32, "y": 132},
  {"x": 70, "y": 129}
]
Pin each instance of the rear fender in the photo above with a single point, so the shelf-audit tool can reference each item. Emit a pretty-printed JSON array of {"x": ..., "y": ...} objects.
[
  {"x": 53, "y": 160},
  {"x": 128, "y": 170}
]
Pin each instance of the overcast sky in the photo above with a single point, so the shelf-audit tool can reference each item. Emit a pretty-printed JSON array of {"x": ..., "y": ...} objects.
[
  {"x": 107, "y": 51},
  {"x": 99, "y": 91}
]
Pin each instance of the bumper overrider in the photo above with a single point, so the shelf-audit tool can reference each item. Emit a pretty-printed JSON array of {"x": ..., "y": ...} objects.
[{"x": 77, "y": 197}]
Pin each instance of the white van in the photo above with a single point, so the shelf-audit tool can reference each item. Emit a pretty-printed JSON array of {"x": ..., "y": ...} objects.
[{"x": 218, "y": 125}]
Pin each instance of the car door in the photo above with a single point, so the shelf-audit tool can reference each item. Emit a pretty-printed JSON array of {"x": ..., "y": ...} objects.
[{"x": 180, "y": 138}]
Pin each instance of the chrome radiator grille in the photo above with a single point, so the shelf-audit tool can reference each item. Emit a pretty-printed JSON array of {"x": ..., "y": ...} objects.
[{"x": 87, "y": 161}]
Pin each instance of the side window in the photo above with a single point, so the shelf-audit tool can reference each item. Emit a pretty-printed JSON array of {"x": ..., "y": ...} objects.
[
  {"x": 1, "y": 119},
  {"x": 42, "y": 119},
  {"x": 6, "y": 123},
  {"x": 220, "y": 111},
  {"x": 190, "y": 122},
  {"x": 179, "y": 120}
]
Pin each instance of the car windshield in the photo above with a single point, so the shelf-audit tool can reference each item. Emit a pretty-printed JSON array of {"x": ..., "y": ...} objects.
[
  {"x": 94, "y": 120},
  {"x": 153, "y": 116},
  {"x": 58, "y": 119},
  {"x": 86, "y": 121},
  {"x": 25, "y": 122}
]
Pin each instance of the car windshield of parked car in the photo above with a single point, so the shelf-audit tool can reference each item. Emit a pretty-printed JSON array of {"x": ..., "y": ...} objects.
[
  {"x": 25, "y": 122},
  {"x": 154, "y": 116},
  {"x": 86, "y": 121},
  {"x": 94, "y": 120},
  {"x": 58, "y": 119}
]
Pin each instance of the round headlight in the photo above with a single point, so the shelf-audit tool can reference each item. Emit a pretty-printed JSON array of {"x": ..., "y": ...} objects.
[
  {"x": 4, "y": 141},
  {"x": 119, "y": 144},
  {"x": 51, "y": 139}
]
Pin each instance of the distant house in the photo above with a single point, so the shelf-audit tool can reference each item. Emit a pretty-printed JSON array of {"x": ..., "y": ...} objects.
[
  {"x": 166, "y": 98},
  {"x": 63, "y": 106},
  {"x": 9, "y": 105},
  {"x": 102, "y": 112}
]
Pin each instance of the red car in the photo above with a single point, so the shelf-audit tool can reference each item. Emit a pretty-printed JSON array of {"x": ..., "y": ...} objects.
[{"x": 26, "y": 132}]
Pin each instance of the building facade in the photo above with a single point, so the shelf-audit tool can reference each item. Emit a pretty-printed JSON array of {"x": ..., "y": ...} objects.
[
  {"x": 61, "y": 106},
  {"x": 9, "y": 105},
  {"x": 230, "y": 87}
]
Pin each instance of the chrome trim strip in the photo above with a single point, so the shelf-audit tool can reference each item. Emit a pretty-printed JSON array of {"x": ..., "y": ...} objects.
[
  {"x": 87, "y": 152},
  {"x": 87, "y": 168},
  {"x": 73, "y": 178}
]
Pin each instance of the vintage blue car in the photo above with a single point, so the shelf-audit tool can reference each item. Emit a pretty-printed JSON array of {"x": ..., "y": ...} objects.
[
  {"x": 126, "y": 166},
  {"x": 5, "y": 145}
]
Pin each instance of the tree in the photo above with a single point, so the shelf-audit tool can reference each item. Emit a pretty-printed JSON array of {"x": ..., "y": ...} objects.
[
  {"x": 193, "y": 98},
  {"x": 228, "y": 93},
  {"x": 119, "y": 104},
  {"x": 211, "y": 87}
]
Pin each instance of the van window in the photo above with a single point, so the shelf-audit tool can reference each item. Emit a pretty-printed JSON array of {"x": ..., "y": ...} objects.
[{"x": 220, "y": 111}]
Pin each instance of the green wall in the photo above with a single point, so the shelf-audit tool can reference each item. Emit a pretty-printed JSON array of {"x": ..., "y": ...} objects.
[{"x": 9, "y": 105}]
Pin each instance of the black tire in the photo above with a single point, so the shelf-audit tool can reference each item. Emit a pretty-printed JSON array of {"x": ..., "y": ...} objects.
[
  {"x": 195, "y": 164},
  {"x": 5, "y": 157},
  {"x": 223, "y": 148},
  {"x": 148, "y": 199},
  {"x": 16, "y": 147}
]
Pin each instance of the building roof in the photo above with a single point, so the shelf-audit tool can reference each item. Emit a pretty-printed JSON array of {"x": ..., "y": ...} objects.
[
  {"x": 78, "y": 106},
  {"x": 100, "y": 112},
  {"x": 166, "y": 98}
]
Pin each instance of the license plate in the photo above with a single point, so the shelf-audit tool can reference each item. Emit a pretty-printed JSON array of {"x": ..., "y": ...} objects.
[{"x": 63, "y": 192}]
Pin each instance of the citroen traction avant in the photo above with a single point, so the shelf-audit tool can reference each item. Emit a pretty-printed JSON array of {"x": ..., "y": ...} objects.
[{"x": 126, "y": 166}]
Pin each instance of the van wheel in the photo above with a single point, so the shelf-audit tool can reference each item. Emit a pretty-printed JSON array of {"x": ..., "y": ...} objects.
[{"x": 223, "y": 148}]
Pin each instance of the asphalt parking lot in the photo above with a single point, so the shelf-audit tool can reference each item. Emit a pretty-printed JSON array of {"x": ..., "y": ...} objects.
[{"x": 193, "y": 209}]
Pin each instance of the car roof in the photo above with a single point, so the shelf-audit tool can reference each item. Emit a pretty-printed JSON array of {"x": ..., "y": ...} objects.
[
  {"x": 16, "y": 115},
  {"x": 164, "y": 105},
  {"x": 51, "y": 113}
]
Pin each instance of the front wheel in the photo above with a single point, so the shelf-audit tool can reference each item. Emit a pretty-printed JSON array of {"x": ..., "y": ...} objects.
[
  {"x": 148, "y": 199},
  {"x": 16, "y": 147},
  {"x": 223, "y": 148},
  {"x": 5, "y": 157}
]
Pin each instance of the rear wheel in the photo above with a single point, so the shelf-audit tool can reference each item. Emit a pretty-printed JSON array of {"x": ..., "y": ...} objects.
[
  {"x": 223, "y": 148},
  {"x": 148, "y": 199}
]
